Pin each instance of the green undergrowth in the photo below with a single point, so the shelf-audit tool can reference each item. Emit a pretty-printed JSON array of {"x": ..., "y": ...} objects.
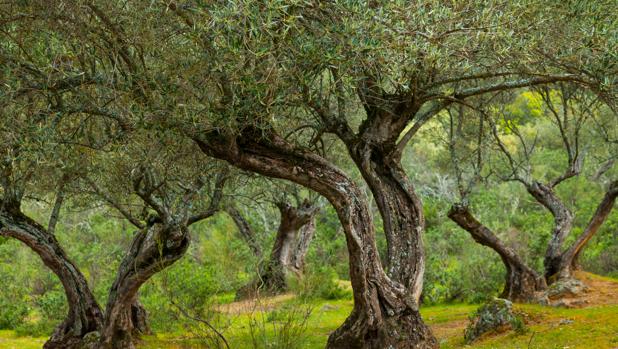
[
  {"x": 547, "y": 328},
  {"x": 10, "y": 340},
  {"x": 555, "y": 328}
]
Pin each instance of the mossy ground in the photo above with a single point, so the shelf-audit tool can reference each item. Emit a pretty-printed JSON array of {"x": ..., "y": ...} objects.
[{"x": 595, "y": 326}]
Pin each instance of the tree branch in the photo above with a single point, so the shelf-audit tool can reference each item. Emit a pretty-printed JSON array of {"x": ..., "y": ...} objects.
[
  {"x": 126, "y": 214},
  {"x": 513, "y": 84},
  {"x": 55, "y": 214},
  {"x": 215, "y": 200}
]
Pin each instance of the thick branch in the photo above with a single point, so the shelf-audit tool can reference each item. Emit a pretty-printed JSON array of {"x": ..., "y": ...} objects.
[
  {"x": 600, "y": 215},
  {"x": 513, "y": 84}
]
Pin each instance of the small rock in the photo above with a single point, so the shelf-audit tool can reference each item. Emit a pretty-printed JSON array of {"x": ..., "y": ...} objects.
[
  {"x": 566, "y": 322},
  {"x": 490, "y": 317},
  {"x": 91, "y": 340},
  {"x": 566, "y": 287}
]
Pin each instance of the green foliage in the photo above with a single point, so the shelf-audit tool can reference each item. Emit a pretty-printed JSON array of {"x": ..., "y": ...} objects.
[
  {"x": 15, "y": 296},
  {"x": 52, "y": 304},
  {"x": 518, "y": 325},
  {"x": 329, "y": 247},
  {"x": 319, "y": 283},
  {"x": 13, "y": 313},
  {"x": 41, "y": 328}
]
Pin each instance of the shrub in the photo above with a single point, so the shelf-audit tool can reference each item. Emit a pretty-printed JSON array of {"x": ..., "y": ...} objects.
[
  {"x": 42, "y": 328},
  {"x": 12, "y": 314},
  {"x": 319, "y": 283},
  {"x": 284, "y": 328},
  {"x": 52, "y": 305}
]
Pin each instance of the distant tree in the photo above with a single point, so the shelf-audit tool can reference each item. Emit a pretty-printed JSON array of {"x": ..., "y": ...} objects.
[
  {"x": 171, "y": 191},
  {"x": 292, "y": 239},
  {"x": 468, "y": 146},
  {"x": 572, "y": 112}
]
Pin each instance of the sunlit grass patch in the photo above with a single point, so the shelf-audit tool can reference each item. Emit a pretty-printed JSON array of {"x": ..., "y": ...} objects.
[{"x": 9, "y": 340}]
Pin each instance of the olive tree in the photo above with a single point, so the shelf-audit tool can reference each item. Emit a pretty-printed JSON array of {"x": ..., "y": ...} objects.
[{"x": 244, "y": 79}]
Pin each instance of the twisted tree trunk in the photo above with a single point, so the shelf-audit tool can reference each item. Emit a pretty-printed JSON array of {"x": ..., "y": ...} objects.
[
  {"x": 384, "y": 313},
  {"x": 152, "y": 250},
  {"x": 563, "y": 223},
  {"x": 522, "y": 283},
  {"x": 292, "y": 220},
  {"x": 568, "y": 259},
  {"x": 377, "y": 154},
  {"x": 84, "y": 314},
  {"x": 402, "y": 215},
  {"x": 559, "y": 263},
  {"x": 272, "y": 277}
]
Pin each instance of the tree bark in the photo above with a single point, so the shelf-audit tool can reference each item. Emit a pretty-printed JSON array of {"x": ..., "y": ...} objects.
[
  {"x": 305, "y": 235},
  {"x": 84, "y": 314},
  {"x": 377, "y": 154},
  {"x": 563, "y": 223},
  {"x": 384, "y": 313},
  {"x": 152, "y": 250},
  {"x": 402, "y": 214},
  {"x": 568, "y": 259},
  {"x": 522, "y": 283}
]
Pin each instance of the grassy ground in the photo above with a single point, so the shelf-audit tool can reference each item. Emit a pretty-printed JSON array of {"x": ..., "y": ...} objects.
[
  {"x": 8, "y": 340},
  {"x": 595, "y": 326}
]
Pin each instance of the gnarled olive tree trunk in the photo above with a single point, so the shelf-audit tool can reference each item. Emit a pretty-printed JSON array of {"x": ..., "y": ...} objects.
[
  {"x": 384, "y": 314},
  {"x": 563, "y": 223},
  {"x": 522, "y": 283},
  {"x": 84, "y": 314},
  {"x": 568, "y": 259},
  {"x": 290, "y": 245},
  {"x": 376, "y": 150},
  {"x": 402, "y": 214},
  {"x": 284, "y": 249},
  {"x": 153, "y": 249},
  {"x": 560, "y": 263}
]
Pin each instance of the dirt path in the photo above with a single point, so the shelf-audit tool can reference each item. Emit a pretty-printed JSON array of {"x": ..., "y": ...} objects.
[
  {"x": 254, "y": 304},
  {"x": 600, "y": 291}
]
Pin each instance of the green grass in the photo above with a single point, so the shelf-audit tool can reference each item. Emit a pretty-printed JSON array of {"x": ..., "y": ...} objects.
[
  {"x": 592, "y": 328},
  {"x": 595, "y": 327},
  {"x": 8, "y": 340},
  {"x": 325, "y": 317}
]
